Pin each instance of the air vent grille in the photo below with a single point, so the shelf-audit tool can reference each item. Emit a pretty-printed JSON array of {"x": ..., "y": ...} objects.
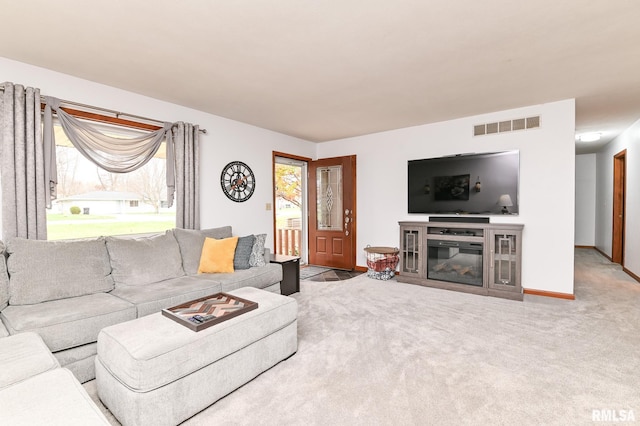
[
  {"x": 533, "y": 122},
  {"x": 506, "y": 126},
  {"x": 519, "y": 124}
]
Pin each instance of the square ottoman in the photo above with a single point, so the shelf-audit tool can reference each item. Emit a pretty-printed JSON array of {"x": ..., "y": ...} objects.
[{"x": 152, "y": 370}]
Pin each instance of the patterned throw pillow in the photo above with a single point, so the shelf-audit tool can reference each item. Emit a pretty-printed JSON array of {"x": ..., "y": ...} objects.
[
  {"x": 243, "y": 252},
  {"x": 257, "y": 252}
]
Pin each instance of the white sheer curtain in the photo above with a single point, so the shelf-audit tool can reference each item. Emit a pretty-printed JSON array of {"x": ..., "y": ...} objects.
[{"x": 22, "y": 178}]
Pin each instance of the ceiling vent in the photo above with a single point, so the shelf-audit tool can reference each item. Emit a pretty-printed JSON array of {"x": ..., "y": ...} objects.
[{"x": 506, "y": 126}]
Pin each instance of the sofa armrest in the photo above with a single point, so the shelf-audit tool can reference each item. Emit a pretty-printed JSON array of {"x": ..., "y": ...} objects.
[{"x": 267, "y": 255}]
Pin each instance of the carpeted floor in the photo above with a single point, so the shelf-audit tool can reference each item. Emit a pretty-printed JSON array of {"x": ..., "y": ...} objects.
[{"x": 385, "y": 353}]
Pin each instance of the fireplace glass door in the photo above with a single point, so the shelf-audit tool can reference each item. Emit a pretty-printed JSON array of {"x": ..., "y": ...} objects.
[{"x": 455, "y": 261}]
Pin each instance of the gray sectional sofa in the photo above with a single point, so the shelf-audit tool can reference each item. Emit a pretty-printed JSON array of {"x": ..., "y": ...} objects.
[
  {"x": 34, "y": 390},
  {"x": 67, "y": 291}
]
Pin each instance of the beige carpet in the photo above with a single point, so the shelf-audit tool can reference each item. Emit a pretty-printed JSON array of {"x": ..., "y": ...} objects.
[{"x": 385, "y": 353}]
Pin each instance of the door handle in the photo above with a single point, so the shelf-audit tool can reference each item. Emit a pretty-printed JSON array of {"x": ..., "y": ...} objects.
[{"x": 347, "y": 220}]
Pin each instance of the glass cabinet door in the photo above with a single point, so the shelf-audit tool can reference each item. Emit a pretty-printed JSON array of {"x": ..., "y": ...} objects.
[
  {"x": 411, "y": 256},
  {"x": 505, "y": 261}
]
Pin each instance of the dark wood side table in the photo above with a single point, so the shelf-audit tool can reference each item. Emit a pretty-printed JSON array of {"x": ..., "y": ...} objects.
[{"x": 290, "y": 273}]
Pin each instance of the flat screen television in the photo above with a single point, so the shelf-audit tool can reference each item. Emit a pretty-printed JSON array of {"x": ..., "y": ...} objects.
[{"x": 482, "y": 184}]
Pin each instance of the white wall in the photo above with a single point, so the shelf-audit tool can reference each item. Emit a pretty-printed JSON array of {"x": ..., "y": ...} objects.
[
  {"x": 629, "y": 140},
  {"x": 547, "y": 183},
  {"x": 226, "y": 140},
  {"x": 585, "y": 228},
  {"x": 547, "y": 168}
]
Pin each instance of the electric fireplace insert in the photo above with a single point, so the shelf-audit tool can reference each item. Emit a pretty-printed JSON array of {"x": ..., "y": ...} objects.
[{"x": 455, "y": 261}]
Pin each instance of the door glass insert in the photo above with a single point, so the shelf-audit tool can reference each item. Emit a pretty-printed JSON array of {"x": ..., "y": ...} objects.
[{"x": 329, "y": 198}]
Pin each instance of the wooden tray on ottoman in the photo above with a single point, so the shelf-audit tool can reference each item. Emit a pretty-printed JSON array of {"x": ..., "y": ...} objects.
[{"x": 213, "y": 309}]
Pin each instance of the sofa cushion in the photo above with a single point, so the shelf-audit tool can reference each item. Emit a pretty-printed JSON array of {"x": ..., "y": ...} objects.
[
  {"x": 165, "y": 294},
  {"x": 51, "y": 398},
  {"x": 259, "y": 277},
  {"x": 140, "y": 261},
  {"x": 4, "y": 279},
  {"x": 71, "y": 322},
  {"x": 217, "y": 255},
  {"x": 257, "y": 251},
  {"x": 243, "y": 252},
  {"x": 41, "y": 271},
  {"x": 3, "y": 330},
  {"x": 191, "y": 242},
  {"x": 22, "y": 356}
]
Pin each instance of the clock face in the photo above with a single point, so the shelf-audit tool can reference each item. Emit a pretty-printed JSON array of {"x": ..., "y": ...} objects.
[{"x": 237, "y": 181}]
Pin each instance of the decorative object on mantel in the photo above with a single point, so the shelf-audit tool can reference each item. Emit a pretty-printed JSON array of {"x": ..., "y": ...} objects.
[
  {"x": 478, "y": 185},
  {"x": 505, "y": 202},
  {"x": 238, "y": 181}
]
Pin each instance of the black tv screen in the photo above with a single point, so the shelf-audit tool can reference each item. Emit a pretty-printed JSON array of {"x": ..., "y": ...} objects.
[{"x": 465, "y": 184}]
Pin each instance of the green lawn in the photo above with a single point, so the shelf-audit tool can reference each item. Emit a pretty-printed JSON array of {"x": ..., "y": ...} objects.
[
  {"x": 85, "y": 226},
  {"x": 75, "y": 217}
]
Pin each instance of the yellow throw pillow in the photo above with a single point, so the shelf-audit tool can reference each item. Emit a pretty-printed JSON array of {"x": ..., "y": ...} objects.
[{"x": 217, "y": 255}]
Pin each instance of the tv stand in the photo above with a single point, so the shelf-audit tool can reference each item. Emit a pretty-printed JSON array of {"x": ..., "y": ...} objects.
[{"x": 472, "y": 257}]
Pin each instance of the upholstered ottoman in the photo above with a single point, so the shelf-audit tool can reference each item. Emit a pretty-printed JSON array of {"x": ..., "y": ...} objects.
[{"x": 152, "y": 370}]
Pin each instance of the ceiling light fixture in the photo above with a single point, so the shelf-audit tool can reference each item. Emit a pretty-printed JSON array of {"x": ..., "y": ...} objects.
[{"x": 590, "y": 137}]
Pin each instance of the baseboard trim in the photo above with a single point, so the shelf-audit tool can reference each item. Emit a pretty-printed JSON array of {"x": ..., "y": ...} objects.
[
  {"x": 631, "y": 274},
  {"x": 586, "y": 247},
  {"x": 603, "y": 253},
  {"x": 628, "y": 272},
  {"x": 549, "y": 294}
]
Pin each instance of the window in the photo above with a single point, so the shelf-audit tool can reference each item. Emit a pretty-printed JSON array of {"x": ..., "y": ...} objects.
[{"x": 92, "y": 202}]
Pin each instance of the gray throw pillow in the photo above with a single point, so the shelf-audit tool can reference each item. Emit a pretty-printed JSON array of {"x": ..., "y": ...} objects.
[
  {"x": 243, "y": 252},
  {"x": 191, "y": 241},
  {"x": 50, "y": 270},
  {"x": 257, "y": 252}
]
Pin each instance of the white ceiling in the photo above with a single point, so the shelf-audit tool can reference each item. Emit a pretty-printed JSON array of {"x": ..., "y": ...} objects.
[{"x": 323, "y": 70}]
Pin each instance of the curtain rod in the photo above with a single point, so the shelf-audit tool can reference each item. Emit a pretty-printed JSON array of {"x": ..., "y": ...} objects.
[{"x": 117, "y": 114}]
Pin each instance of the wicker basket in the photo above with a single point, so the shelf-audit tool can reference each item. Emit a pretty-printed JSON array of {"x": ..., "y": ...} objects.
[{"x": 381, "y": 262}]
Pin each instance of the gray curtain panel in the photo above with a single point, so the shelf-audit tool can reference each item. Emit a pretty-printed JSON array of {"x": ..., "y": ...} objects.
[
  {"x": 185, "y": 139},
  {"x": 22, "y": 178}
]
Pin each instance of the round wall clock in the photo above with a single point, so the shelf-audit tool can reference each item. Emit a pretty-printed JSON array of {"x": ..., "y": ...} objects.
[{"x": 237, "y": 181}]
